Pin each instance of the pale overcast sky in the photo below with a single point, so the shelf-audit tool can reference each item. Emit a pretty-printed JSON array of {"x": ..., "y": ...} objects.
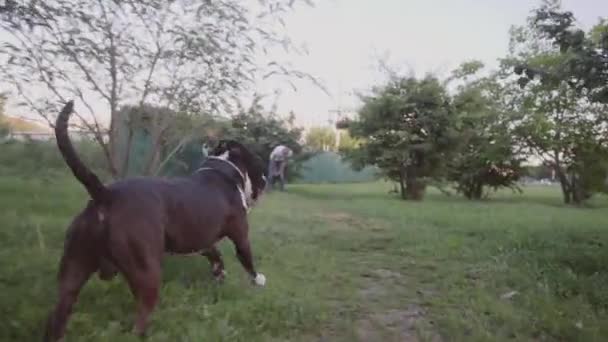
[{"x": 345, "y": 37}]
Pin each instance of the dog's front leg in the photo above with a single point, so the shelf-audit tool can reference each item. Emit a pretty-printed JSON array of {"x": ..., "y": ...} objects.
[
  {"x": 217, "y": 264},
  {"x": 240, "y": 239}
]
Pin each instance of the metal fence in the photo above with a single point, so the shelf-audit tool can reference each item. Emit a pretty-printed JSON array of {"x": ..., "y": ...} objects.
[{"x": 329, "y": 167}]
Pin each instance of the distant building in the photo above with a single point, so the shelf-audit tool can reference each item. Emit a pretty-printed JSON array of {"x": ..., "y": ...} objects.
[
  {"x": 23, "y": 130},
  {"x": 25, "y": 135},
  {"x": 20, "y": 129},
  {"x": 46, "y": 136}
]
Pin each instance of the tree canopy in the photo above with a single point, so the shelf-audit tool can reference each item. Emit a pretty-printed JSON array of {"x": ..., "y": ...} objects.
[
  {"x": 584, "y": 63},
  {"x": 561, "y": 106},
  {"x": 486, "y": 156},
  {"x": 321, "y": 138},
  {"x": 405, "y": 129},
  {"x": 186, "y": 56}
]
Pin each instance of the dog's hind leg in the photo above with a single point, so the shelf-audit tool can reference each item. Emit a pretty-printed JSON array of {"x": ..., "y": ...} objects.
[
  {"x": 217, "y": 264},
  {"x": 73, "y": 274},
  {"x": 240, "y": 238},
  {"x": 137, "y": 253},
  {"x": 145, "y": 285}
]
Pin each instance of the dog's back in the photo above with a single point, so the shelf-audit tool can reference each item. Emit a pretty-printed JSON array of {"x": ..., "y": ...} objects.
[{"x": 182, "y": 215}]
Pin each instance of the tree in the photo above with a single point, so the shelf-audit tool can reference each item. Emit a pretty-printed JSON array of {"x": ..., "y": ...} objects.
[
  {"x": 405, "y": 129},
  {"x": 184, "y": 55},
  {"x": 556, "y": 120},
  {"x": 263, "y": 130},
  {"x": 321, "y": 138},
  {"x": 4, "y": 127},
  {"x": 136, "y": 148},
  {"x": 585, "y": 66},
  {"x": 487, "y": 155},
  {"x": 347, "y": 142}
]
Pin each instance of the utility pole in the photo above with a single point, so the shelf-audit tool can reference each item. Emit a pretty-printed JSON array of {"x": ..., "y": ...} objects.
[{"x": 334, "y": 116}]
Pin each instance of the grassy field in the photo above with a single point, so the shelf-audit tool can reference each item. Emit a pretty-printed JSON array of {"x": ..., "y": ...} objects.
[{"x": 344, "y": 263}]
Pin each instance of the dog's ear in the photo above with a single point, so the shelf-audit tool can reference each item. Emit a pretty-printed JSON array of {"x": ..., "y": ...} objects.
[
  {"x": 222, "y": 145},
  {"x": 218, "y": 147},
  {"x": 235, "y": 152}
]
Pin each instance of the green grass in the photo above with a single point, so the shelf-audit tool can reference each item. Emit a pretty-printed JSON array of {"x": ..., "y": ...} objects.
[{"x": 344, "y": 263}]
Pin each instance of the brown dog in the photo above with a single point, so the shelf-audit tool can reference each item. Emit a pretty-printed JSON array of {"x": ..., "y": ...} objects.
[{"x": 129, "y": 225}]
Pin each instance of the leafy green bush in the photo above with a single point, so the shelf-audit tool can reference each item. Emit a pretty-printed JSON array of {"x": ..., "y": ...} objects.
[{"x": 31, "y": 158}]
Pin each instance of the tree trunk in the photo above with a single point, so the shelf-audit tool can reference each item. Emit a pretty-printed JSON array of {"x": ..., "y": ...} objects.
[
  {"x": 127, "y": 156},
  {"x": 578, "y": 191},
  {"x": 566, "y": 194},
  {"x": 564, "y": 184},
  {"x": 402, "y": 183},
  {"x": 114, "y": 161},
  {"x": 153, "y": 162},
  {"x": 413, "y": 186},
  {"x": 475, "y": 190},
  {"x": 170, "y": 155},
  {"x": 158, "y": 130}
]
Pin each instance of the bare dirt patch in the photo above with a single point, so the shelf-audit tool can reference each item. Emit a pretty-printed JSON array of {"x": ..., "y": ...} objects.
[
  {"x": 392, "y": 325},
  {"x": 403, "y": 324},
  {"x": 346, "y": 221}
]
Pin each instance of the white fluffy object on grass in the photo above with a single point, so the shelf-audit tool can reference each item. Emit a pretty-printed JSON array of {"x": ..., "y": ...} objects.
[{"x": 260, "y": 279}]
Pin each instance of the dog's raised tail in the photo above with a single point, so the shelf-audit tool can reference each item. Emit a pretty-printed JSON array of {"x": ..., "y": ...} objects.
[{"x": 90, "y": 180}]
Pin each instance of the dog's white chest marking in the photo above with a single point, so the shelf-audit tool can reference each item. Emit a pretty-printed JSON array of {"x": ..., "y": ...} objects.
[
  {"x": 248, "y": 190},
  {"x": 224, "y": 156},
  {"x": 243, "y": 198},
  {"x": 246, "y": 193}
]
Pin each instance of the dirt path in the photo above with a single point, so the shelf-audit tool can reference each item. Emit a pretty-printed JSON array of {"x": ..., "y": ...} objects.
[
  {"x": 387, "y": 301},
  {"x": 408, "y": 323}
]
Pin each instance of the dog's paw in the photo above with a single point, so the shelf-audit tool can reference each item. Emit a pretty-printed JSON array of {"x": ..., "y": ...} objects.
[
  {"x": 220, "y": 276},
  {"x": 259, "y": 280},
  {"x": 141, "y": 334}
]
